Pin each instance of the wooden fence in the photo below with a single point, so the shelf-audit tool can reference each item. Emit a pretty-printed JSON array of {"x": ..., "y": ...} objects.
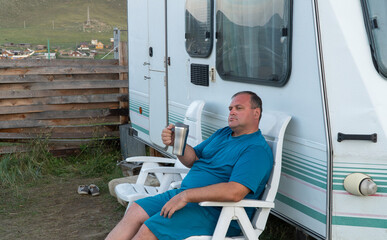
[{"x": 67, "y": 102}]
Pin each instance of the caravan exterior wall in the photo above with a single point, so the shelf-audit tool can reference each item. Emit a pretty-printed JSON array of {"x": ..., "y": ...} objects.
[{"x": 309, "y": 59}]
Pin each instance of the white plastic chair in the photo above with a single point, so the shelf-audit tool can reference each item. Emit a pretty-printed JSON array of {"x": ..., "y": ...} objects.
[
  {"x": 129, "y": 192},
  {"x": 273, "y": 126}
]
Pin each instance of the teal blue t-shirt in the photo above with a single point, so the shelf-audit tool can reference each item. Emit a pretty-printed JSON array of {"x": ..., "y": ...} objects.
[{"x": 245, "y": 159}]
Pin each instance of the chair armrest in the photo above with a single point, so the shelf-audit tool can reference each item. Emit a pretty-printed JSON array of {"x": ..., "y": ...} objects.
[
  {"x": 175, "y": 185},
  {"x": 166, "y": 170},
  {"x": 242, "y": 203},
  {"x": 145, "y": 159}
]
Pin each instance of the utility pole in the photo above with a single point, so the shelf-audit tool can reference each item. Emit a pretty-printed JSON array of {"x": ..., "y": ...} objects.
[
  {"x": 88, "y": 16},
  {"x": 117, "y": 38},
  {"x": 48, "y": 48},
  {"x": 53, "y": 24}
]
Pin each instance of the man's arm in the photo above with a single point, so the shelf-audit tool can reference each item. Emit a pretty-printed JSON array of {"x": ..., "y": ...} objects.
[
  {"x": 168, "y": 137},
  {"x": 221, "y": 192},
  {"x": 189, "y": 156}
]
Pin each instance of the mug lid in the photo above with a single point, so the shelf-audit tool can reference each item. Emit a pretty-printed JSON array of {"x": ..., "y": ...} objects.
[{"x": 180, "y": 124}]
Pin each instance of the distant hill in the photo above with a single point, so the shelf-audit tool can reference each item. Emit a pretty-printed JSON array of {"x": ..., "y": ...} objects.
[
  {"x": 64, "y": 21},
  {"x": 64, "y": 13}
]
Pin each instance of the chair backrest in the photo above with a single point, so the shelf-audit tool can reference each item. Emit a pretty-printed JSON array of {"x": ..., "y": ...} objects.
[
  {"x": 273, "y": 126},
  {"x": 193, "y": 118}
]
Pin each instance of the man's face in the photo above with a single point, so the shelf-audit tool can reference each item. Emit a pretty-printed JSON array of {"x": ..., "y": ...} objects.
[{"x": 242, "y": 117}]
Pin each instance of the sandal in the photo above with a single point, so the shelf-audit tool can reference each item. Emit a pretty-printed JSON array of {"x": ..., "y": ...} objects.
[
  {"x": 93, "y": 190},
  {"x": 83, "y": 189}
]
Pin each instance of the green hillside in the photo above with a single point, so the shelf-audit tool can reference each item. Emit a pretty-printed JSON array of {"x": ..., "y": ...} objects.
[{"x": 61, "y": 21}]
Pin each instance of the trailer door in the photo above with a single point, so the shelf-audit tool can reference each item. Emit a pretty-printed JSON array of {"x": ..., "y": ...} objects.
[{"x": 157, "y": 70}]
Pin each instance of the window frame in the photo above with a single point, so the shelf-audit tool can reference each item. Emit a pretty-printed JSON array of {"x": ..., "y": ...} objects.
[
  {"x": 210, "y": 40},
  {"x": 261, "y": 81},
  {"x": 371, "y": 39}
]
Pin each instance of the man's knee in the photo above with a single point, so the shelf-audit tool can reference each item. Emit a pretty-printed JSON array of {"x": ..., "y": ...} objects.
[
  {"x": 137, "y": 213},
  {"x": 144, "y": 233}
]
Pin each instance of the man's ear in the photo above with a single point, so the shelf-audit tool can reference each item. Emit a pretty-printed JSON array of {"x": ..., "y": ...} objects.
[{"x": 257, "y": 113}]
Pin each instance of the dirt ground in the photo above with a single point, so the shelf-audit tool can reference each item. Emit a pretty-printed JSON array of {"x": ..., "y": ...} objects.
[{"x": 54, "y": 210}]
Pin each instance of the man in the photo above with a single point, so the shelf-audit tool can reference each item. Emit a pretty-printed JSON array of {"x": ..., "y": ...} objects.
[{"x": 233, "y": 164}]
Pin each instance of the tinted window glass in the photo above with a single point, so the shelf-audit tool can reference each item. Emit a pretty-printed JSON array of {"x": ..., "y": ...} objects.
[
  {"x": 375, "y": 12},
  {"x": 253, "y": 40},
  {"x": 198, "y": 27}
]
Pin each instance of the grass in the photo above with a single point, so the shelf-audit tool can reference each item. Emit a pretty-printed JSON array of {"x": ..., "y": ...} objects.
[
  {"x": 36, "y": 21},
  {"x": 20, "y": 173},
  {"x": 68, "y": 14},
  {"x": 61, "y": 38},
  {"x": 95, "y": 160}
]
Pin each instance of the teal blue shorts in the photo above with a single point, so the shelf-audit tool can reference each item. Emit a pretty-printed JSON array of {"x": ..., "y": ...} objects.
[{"x": 192, "y": 220}]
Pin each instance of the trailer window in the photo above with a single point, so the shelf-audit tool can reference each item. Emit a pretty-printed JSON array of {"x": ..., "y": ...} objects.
[
  {"x": 376, "y": 21},
  {"x": 254, "y": 40},
  {"x": 198, "y": 27}
]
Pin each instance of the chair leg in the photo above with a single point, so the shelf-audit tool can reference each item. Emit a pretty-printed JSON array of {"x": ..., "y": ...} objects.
[
  {"x": 245, "y": 223},
  {"x": 223, "y": 223}
]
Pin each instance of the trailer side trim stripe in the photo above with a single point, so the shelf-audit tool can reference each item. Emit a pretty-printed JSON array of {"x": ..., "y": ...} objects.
[
  {"x": 305, "y": 170},
  {"x": 302, "y": 208},
  {"x": 304, "y": 178},
  {"x": 359, "y": 222},
  {"x": 140, "y": 129}
]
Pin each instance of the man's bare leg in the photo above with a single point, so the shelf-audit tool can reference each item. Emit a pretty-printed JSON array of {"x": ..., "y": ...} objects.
[
  {"x": 144, "y": 234},
  {"x": 129, "y": 224}
]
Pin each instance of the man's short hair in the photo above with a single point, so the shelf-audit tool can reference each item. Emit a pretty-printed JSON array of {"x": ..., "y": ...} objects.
[{"x": 255, "y": 100}]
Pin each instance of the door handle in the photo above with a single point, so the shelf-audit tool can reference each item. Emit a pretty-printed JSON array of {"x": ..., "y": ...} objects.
[
  {"x": 145, "y": 63},
  {"x": 367, "y": 137},
  {"x": 146, "y": 77},
  {"x": 150, "y": 51}
]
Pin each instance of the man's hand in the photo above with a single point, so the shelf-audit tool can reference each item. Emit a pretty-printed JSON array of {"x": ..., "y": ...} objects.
[
  {"x": 168, "y": 136},
  {"x": 176, "y": 203},
  {"x": 220, "y": 192}
]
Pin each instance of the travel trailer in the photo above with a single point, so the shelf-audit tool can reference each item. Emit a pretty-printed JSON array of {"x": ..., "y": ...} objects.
[{"x": 323, "y": 62}]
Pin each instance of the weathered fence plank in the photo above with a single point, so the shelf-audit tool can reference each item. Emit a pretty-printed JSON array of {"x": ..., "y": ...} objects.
[
  {"x": 56, "y": 107},
  {"x": 123, "y": 60},
  {"x": 64, "y": 85},
  {"x": 48, "y": 93},
  {"x": 94, "y": 98},
  {"x": 64, "y": 129},
  {"x": 63, "y": 70},
  {"x": 54, "y": 122},
  {"x": 79, "y": 135},
  {"x": 87, "y": 128},
  {"x": 88, "y": 113},
  {"x": 57, "y": 62},
  {"x": 12, "y": 149},
  {"x": 53, "y": 146},
  {"x": 56, "y": 77}
]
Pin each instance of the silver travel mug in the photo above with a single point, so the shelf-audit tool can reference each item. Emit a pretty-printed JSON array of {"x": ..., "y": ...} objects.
[{"x": 181, "y": 134}]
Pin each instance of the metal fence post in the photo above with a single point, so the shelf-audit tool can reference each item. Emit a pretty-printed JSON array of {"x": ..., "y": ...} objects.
[{"x": 117, "y": 37}]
